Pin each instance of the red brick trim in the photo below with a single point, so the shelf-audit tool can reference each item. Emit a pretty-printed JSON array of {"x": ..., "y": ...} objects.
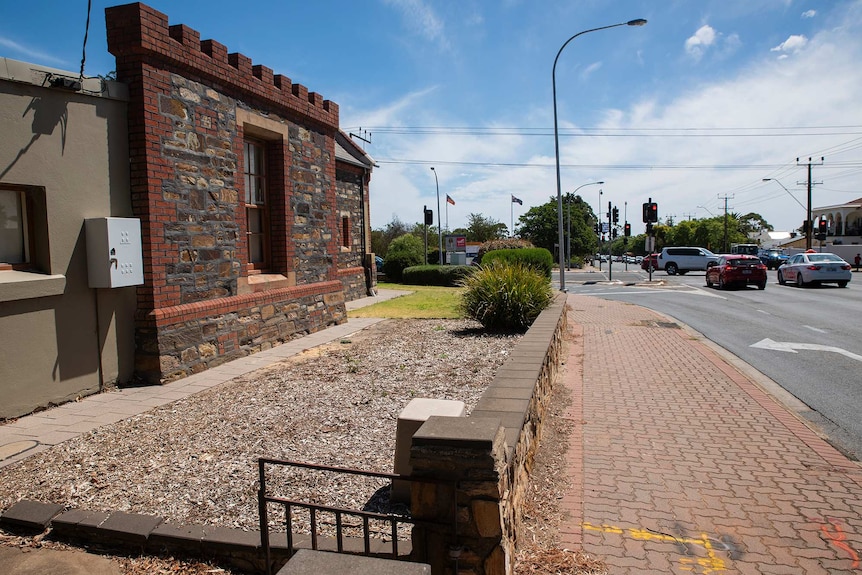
[
  {"x": 138, "y": 31},
  {"x": 351, "y": 271}
]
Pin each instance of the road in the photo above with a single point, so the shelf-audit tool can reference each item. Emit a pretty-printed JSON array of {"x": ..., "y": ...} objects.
[{"x": 807, "y": 340}]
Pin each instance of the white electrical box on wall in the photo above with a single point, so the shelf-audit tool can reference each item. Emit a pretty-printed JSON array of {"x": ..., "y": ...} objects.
[{"x": 114, "y": 253}]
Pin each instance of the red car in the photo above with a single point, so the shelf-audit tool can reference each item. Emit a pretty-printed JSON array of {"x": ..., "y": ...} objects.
[
  {"x": 736, "y": 269},
  {"x": 650, "y": 260}
]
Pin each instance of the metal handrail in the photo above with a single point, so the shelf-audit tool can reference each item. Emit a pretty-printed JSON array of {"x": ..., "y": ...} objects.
[{"x": 394, "y": 519}]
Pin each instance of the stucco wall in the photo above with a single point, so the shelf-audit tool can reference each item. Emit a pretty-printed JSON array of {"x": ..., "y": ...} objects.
[{"x": 58, "y": 338}]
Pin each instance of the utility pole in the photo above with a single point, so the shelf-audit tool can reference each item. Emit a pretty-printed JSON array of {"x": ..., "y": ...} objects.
[
  {"x": 725, "y": 198},
  {"x": 688, "y": 216},
  {"x": 809, "y": 225}
]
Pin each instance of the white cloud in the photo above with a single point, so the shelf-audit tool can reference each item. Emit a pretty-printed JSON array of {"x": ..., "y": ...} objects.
[
  {"x": 28, "y": 53},
  {"x": 766, "y": 93},
  {"x": 792, "y": 45},
  {"x": 420, "y": 18},
  {"x": 809, "y": 14},
  {"x": 588, "y": 71},
  {"x": 697, "y": 44}
]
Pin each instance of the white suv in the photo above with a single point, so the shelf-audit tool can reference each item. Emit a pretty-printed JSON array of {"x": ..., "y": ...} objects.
[{"x": 681, "y": 260}]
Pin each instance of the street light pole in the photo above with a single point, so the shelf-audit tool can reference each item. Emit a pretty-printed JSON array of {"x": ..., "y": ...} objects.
[
  {"x": 638, "y": 22},
  {"x": 569, "y": 214},
  {"x": 439, "y": 226}
]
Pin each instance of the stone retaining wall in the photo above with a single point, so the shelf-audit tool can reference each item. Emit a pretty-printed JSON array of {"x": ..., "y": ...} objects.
[{"x": 489, "y": 454}]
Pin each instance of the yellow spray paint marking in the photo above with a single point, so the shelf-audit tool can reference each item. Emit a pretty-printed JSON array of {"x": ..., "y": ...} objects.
[{"x": 705, "y": 565}]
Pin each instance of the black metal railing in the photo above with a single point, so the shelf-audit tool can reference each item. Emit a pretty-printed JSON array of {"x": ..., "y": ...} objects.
[{"x": 393, "y": 519}]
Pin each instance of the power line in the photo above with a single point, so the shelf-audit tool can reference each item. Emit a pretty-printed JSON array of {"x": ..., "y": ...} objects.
[
  {"x": 695, "y": 132},
  {"x": 720, "y": 167}
]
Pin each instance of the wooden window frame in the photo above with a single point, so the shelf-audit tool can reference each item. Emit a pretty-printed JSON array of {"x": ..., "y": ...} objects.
[
  {"x": 261, "y": 208},
  {"x": 345, "y": 231}
]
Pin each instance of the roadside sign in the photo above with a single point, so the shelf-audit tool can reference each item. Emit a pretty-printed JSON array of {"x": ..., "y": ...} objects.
[{"x": 649, "y": 244}]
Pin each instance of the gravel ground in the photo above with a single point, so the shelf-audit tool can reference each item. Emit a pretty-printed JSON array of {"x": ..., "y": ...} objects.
[{"x": 194, "y": 461}]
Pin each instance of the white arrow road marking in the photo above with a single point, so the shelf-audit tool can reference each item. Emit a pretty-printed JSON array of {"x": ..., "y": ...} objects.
[{"x": 792, "y": 347}]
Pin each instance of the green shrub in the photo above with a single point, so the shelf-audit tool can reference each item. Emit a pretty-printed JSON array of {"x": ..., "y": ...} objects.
[
  {"x": 404, "y": 251},
  {"x": 448, "y": 276},
  {"x": 505, "y": 296},
  {"x": 538, "y": 258},
  {"x": 503, "y": 244}
]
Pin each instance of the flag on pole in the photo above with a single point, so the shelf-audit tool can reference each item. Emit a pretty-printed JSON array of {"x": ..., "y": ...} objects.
[
  {"x": 449, "y": 200},
  {"x": 517, "y": 201}
]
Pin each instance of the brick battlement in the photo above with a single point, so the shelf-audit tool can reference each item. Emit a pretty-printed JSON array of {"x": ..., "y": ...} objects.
[{"x": 139, "y": 32}]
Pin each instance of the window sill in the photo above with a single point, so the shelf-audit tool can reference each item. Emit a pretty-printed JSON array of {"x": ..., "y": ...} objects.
[{"x": 18, "y": 285}]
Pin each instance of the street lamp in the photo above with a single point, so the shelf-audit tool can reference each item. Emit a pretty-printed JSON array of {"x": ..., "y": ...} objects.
[
  {"x": 638, "y": 22},
  {"x": 439, "y": 227},
  {"x": 786, "y": 190},
  {"x": 569, "y": 214}
]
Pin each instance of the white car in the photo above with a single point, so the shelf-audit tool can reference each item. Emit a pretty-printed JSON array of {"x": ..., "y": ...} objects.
[
  {"x": 680, "y": 260},
  {"x": 815, "y": 268}
]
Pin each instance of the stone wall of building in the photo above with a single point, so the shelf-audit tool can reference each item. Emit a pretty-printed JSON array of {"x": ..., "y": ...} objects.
[{"x": 192, "y": 107}]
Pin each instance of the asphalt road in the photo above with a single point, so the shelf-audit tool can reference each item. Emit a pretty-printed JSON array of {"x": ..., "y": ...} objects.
[{"x": 807, "y": 340}]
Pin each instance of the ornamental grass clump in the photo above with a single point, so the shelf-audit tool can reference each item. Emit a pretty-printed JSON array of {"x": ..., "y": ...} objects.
[{"x": 505, "y": 296}]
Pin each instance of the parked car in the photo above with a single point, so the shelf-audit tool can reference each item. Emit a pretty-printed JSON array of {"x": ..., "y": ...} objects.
[
  {"x": 649, "y": 261},
  {"x": 681, "y": 260},
  {"x": 736, "y": 270},
  {"x": 378, "y": 263},
  {"x": 815, "y": 268},
  {"x": 772, "y": 259}
]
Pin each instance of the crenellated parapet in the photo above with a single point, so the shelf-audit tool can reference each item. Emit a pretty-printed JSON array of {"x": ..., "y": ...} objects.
[{"x": 139, "y": 32}]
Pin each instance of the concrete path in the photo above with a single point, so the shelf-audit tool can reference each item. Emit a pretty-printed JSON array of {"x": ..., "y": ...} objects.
[{"x": 682, "y": 463}]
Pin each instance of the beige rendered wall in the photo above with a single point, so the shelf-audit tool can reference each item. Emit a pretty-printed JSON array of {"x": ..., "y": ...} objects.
[{"x": 59, "y": 339}]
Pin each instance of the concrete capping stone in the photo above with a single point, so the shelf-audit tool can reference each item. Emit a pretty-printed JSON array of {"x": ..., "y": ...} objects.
[
  {"x": 218, "y": 540},
  {"x": 308, "y": 562},
  {"x": 464, "y": 432},
  {"x": 132, "y": 528},
  {"x": 173, "y": 538},
  {"x": 30, "y": 515},
  {"x": 78, "y": 523}
]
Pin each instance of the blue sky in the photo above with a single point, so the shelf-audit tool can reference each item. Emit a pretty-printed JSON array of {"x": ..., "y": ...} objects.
[{"x": 701, "y": 104}]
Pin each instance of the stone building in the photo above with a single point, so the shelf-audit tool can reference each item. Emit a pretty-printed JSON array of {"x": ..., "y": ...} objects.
[{"x": 253, "y": 209}]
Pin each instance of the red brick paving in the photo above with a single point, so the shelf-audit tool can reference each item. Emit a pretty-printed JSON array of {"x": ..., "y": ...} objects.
[{"x": 680, "y": 464}]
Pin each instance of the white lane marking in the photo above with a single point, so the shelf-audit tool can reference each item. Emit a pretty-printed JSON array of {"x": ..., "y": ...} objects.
[
  {"x": 791, "y": 347},
  {"x": 817, "y": 329}
]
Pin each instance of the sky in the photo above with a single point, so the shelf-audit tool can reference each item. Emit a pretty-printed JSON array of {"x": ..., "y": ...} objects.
[{"x": 692, "y": 110}]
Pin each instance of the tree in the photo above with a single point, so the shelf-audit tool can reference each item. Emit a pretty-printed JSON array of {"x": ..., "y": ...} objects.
[
  {"x": 404, "y": 251},
  {"x": 380, "y": 239},
  {"x": 482, "y": 229},
  {"x": 752, "y": 224},
  {"x": 540, "y": 225}
]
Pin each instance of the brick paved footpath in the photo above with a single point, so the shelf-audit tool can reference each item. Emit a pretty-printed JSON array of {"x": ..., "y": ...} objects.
[{"x": 679, "y": 463}]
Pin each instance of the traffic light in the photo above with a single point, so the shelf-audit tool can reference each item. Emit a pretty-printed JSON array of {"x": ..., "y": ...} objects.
[
  {"x": 650, "y": 212},
  {"x": 805, "y": 228},
  {"x": 614, "y": 234},
  {"x": 627, "y": 230},
  {"x": 429, "y": 217},
  {"x": 822, "y": 226},
  {"x": 616, "y": 215}
]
